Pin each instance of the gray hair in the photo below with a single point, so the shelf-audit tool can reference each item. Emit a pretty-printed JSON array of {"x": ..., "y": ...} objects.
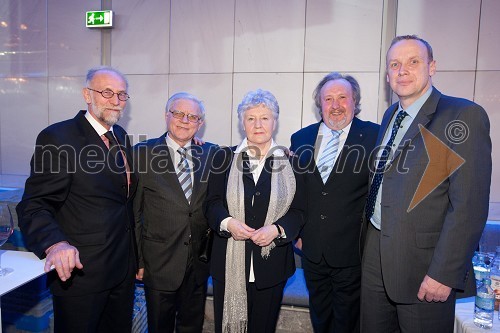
[
  {"x": 185, "y": 95},
  {"x": 95, "y": 70},
  {"x": 257, "y": 98},
  {"x": 356, "y": 90},
  {"x": 413, "y": 37}
]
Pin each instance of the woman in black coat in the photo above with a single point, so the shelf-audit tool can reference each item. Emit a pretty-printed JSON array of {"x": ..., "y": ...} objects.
[{"x": 255, "y": 205}]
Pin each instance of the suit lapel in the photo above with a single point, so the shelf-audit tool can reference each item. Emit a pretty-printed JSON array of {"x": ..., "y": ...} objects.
[
  {"x": 381, "y": 133},
  {"x": 88, "y": 134},
  {"x": 316, "y": 143},
  {"x": 125, "y": 143},
  {"x": 423, "y": 117},
  {"x": 165, "y": 160},
  {"x": 199, "y": 158},
  {"x": 306, "y": 148},
  {"x": 355, "y": 137},
  {"x": 89, "y": 139},
  {"x": 246, "y": 166},
  {"x": 265, "y": 175},
  {"x": 162, "y": 157},
  {"x": 385, "y": 123}
]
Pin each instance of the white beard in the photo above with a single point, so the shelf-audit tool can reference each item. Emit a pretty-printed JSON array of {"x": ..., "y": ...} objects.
[
  {"x": 110, "y": 118},
  {"x": 339, "y": 124}
]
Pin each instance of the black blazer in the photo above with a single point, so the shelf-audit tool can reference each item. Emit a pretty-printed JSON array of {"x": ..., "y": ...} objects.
[
  {"x": 335, "y": 209},
  {"x": 280, "y": 265},
  {"x": 72, "y": 195},
  {"x": 167, "y": 226}
]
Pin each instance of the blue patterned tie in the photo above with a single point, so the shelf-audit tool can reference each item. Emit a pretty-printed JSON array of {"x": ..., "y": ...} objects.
[
  {"x": 325, "y": 163},
  {"x": 379, "y": 172},
  {"x": 184, "y": 174}
]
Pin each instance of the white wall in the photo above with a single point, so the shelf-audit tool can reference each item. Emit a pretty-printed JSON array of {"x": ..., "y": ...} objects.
[{"x": 220, "y": 49}]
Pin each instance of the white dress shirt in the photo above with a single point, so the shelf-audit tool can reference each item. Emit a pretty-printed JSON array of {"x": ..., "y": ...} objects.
[{"x": 256, "y": 167}]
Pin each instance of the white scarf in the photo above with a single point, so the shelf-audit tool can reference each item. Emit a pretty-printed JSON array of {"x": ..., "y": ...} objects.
[{"x": 234, "y": 319}]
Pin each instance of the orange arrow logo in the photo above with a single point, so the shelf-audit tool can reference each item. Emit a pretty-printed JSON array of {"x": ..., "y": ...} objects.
[{"x": 443, "y": 162}]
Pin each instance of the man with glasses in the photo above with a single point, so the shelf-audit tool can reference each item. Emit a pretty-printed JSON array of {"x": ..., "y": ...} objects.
[
  {"x": 170, "y": 225},
  {"x": 76, "y": 211}
]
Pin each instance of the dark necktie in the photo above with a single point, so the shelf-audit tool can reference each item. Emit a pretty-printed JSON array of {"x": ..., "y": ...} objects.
[
  {"x": 184, "y": 174},
  {"x": 379, "y": 172},
  {"x": 116, "y": 154}
]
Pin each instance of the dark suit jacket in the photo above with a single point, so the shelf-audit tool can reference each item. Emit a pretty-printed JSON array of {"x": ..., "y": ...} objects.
[
  {"x": 167, "y": 226},
  {"x": 438, "y": 237},
  {"x": 335, "y": 209},
  {"x": 72, "y": 195},
  {"x": 280, "y": 265}
]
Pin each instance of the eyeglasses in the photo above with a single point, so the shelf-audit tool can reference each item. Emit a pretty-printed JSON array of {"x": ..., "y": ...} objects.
[
  {"x": 180, "y": 115},
  {"x": 108, "y": 93}
]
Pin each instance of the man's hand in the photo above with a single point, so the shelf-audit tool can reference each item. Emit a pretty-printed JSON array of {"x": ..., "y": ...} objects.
[
  {"x": 265, "y": 235},
  {"x": 198, "y": 141},
  {"x": 298, "y": 244},
  {"x": 64, "y": 257},
  {"x": 433, "y": 291},
  {"x": 239, "y": 230},
  {"x": 140, "y": 274}
]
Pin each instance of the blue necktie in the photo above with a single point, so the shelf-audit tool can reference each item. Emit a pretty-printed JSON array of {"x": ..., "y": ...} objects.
[
  {"x": 379, "y": 172},
  {"x": 325, "y": 163},
  {"x": 184, "y": 174}
]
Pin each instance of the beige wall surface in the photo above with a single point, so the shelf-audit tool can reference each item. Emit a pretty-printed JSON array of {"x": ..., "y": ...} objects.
[{"x": 219, "y": 50}]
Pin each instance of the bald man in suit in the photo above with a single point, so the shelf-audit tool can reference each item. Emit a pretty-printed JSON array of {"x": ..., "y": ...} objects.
[
  {"x": 76, "y": 210},
  {"x": 428, "y": 200}
]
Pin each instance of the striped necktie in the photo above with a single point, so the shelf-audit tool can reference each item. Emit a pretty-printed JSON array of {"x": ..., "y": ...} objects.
[
  {"x": 325, "y": 164},
  {"x": 379, "y": 172},
  {"x": 184, "y": 174}
]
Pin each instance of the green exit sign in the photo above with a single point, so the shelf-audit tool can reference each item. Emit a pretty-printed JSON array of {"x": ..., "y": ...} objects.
[{"x": 99, "y": 19}]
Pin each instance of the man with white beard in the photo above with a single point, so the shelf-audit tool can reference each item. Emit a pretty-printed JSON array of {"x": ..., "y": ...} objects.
[{"x": 76, "y": 211}]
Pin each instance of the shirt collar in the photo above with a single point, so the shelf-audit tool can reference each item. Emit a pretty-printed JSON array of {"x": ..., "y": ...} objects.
[
  {"x": 327, "y": 131},
  {"x": 413, "y": 109},
  {"x": 96, "y": 125},
  {"x": 174, "y": 145},
  {"x": 275, "y": 150}
]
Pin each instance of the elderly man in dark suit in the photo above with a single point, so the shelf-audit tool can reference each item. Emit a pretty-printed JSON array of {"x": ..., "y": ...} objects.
[
  {"x": 428, "y": 200},
  {"x": 77, "y": 211},
  {"x": 170, "y": 225},
  {"x": 334, "y": 156}
]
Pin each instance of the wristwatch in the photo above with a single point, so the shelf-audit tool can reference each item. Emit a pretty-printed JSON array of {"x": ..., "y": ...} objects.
[{"x": 280, "y": 234}]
